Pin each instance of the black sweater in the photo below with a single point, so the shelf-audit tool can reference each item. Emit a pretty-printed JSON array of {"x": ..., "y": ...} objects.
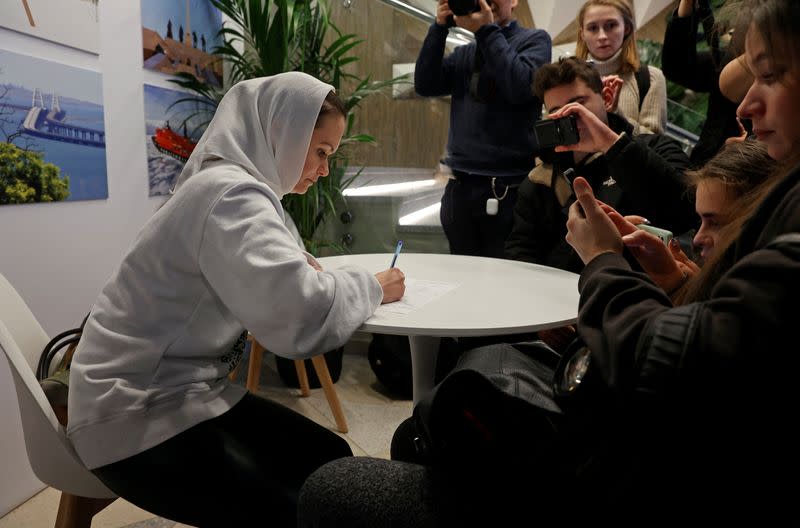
[
  {"x": 491, "y": 135},
  {"x": 696, "y": 70}
]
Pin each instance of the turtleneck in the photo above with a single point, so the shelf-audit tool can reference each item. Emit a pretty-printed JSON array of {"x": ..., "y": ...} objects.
[{"x": 610, "y": 65}]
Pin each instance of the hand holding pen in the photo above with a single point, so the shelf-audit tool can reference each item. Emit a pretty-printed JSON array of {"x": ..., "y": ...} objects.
[
  {"x": 396, "y": 252},
  {"x": 392, "y": 280}
]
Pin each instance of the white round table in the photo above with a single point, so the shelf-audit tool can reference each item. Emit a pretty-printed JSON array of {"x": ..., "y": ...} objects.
[{"x": 486, "y": 297}]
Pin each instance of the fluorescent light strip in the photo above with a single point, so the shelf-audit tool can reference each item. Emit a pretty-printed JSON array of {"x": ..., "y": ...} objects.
[
  {"x": 375, "y": 190},
  {"x": 416, "y": 216}
]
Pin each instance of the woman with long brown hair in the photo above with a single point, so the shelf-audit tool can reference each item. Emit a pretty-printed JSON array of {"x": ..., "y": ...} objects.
[
  {"x": 607, "y": 36},
  {"x": 706, "y": 383}
]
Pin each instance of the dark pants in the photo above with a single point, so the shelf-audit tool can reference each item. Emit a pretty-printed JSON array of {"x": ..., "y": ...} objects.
[
  {"x": 243, "y": 468},
  {"x": 469, "y": 230}
]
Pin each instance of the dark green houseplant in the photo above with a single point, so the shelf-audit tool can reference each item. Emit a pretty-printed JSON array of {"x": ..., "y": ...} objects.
[{"x": 274, "y": 36}]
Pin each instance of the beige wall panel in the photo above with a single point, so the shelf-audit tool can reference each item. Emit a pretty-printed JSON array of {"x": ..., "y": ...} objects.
[{"x": 410, "y": 132}]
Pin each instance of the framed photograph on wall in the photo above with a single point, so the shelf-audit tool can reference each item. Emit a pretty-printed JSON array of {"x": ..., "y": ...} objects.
[
  {"x": 69, "y": 22},
  {"x": 172, "y": 128},
  {"x": 179, "y": 36},
  {"x": 51, "y": 122}
]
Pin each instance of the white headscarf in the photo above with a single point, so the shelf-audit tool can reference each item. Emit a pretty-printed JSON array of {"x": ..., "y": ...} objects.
[{"x": 265, "y": 126}]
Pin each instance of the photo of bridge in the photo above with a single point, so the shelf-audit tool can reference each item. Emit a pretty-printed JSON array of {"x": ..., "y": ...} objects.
[
  {"x": 50, "y": 123},
  {"x": 54, "y": 112}
]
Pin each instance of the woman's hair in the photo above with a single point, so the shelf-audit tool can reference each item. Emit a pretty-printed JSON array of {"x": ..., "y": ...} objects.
[
  {"x": 741, "y": 166},
  {"x": 332, "y": 104},
  {"x": 776, "y": 21},
  {"x": 630, "y": 55},
  {"x": 564, "y": 72}
]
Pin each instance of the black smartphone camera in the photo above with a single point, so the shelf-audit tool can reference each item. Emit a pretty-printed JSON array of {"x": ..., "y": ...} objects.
[
  {"x": 463, "y": 7},
  {"x": 553, "y": 132}
]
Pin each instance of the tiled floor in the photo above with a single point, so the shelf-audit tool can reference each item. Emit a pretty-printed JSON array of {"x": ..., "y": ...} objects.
[{"x": 372, "y": 417}]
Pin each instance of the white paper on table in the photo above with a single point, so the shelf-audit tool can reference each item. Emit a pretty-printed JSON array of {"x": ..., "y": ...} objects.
[{"x": 418, "y": 293}]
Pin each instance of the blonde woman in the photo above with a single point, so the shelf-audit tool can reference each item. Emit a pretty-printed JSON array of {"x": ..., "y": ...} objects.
[{"x": 607, "y": 36}]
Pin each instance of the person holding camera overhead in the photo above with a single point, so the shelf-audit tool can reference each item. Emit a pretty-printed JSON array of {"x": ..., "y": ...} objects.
[
  {"x": 634, "y": 174},
  {"x": 490, "y": 146}
]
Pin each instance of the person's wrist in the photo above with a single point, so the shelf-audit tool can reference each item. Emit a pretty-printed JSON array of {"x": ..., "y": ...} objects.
[
  {"x": 590, "y": 256},
  {"x": 609, "y": 140},
  {"x": 486, "y": 29},
  {"x": 677, "y": 279}
]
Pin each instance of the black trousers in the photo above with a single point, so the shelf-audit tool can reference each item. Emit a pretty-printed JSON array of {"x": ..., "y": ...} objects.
[
  {"x": 243, "y": 468},
  {"x": 469, "y": 230}
]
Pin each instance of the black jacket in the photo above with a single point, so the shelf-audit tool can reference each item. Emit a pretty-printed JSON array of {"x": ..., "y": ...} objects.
[
  {"x": 711, "y": 384},
  {"x": 641, "y": 175},
  {"x": 698, "y": 71}
]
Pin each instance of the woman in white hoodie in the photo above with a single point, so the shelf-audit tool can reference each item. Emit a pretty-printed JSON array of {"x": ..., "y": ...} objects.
[{"x": 151, "y": 410}]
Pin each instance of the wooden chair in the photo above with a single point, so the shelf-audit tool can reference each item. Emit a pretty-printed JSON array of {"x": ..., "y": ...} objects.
[{"x": 320, "y": 367}]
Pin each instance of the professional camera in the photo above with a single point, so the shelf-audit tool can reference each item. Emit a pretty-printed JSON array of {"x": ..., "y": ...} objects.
[
  {"x": 464, "y": 7},
  {"x": 553, "y": 132}
]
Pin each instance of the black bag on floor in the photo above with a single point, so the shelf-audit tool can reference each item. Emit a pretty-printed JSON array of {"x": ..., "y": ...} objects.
[
  {"x": 390, "y": 359},
  {"x": 288, "y": 372},
  {"x": 503, "y": 413}
]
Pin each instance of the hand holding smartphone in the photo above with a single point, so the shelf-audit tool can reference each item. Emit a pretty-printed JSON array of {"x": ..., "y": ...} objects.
[{"x": 663, "y": 234}]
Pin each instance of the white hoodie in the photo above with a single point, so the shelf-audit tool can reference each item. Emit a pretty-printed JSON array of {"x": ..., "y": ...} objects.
[{"x": 215, "y": 260}]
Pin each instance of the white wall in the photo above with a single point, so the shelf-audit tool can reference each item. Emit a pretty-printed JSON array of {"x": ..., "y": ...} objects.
[{"x": 58, "y": 256}]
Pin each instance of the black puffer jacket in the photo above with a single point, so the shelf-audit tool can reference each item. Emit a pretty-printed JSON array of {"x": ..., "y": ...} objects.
[
  {"x": 710, "y": 384},
  {"x": 642, "y": 175}
]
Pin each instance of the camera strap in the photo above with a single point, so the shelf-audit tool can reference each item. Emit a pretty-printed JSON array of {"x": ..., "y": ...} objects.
[
  {"x": 489, "y": 85},
  {"x": 475, "y": 77}
]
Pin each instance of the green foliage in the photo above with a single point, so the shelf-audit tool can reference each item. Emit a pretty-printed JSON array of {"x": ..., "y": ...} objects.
[
  {"x": 273, "y": 36},
  {"x": 26, "y": 178},
  {"x": 685, "y": 108}
]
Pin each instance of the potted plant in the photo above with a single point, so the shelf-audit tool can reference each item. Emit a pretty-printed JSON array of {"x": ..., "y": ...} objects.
[{"x": 275, "y": 36}]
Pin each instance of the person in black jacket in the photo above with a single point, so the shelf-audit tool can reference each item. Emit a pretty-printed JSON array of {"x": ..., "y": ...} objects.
[
  {"x": 709, "y": 384},
  {"x": 683, "y": 64},
  {"x": 640, "y": 175}
]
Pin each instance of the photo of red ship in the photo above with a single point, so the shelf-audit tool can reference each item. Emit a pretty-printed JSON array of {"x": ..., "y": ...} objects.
[{"x": 171, "y": 143}]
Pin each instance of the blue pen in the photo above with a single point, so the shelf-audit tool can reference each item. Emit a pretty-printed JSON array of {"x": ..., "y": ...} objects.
[{"x": 396, "y": 252}]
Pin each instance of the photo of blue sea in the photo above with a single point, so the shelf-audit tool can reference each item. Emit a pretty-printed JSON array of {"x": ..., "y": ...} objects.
[{"x": 57, "y": 110}]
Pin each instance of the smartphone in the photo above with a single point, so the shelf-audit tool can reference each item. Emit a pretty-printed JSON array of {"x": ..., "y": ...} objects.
[
  {"x": 569, "y": 175},
  {"x": 553, "y": 132},
  {"x": 663, "y": 234}
]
